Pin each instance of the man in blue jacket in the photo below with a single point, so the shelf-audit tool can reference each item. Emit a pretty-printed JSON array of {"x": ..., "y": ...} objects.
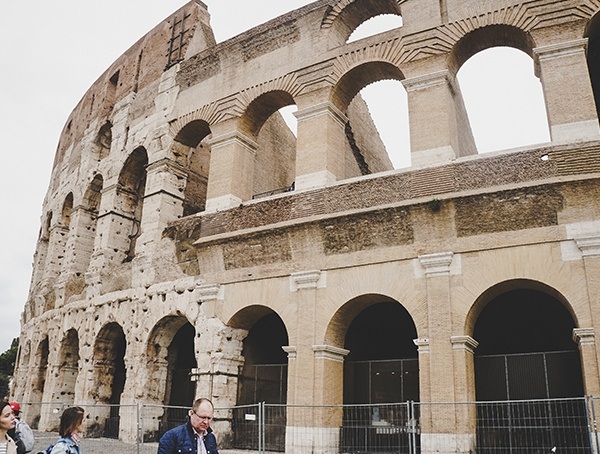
[{"x": 193, "y": 437}]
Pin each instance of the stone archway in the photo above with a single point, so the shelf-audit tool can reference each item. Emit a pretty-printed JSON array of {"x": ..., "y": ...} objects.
[
  {"x": 109, "y": 380},
  {"x": 528, "y": 372}
]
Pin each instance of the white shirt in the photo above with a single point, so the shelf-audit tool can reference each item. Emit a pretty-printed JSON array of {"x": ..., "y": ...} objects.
[{"x": 201, "y": 447}]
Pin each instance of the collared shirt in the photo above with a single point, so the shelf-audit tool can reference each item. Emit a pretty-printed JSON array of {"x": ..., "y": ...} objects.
[{"x": 200, "y": 440}]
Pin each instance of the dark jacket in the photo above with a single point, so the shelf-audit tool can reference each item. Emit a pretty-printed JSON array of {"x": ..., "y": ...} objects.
[{"x": 182, "y": 439}]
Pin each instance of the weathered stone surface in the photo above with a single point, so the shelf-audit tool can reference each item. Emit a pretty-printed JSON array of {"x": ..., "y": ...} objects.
[{"x": 186, "y": 225}]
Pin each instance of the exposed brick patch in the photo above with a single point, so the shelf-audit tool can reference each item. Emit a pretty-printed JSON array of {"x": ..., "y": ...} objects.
[
  {"x": 261, "y": 249},
  {"x": 198, "y": 68},
  {"x": 367, "y": 231},
  {"x": 270, "y": 40},
  {"x": 508, "y": 210}
]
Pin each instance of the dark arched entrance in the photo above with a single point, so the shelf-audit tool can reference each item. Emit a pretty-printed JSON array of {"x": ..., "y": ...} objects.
[
  {"x": 382, "y": 366},
  {"x": 109, "y": 377},
  {"x": 381, "y": 374},
  {"x": 263, "y": 378},
  {"x": 528, "y": 377}
]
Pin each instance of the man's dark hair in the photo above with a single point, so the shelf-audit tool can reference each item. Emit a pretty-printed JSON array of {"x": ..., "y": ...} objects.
[{"x": 69, "y": 420}]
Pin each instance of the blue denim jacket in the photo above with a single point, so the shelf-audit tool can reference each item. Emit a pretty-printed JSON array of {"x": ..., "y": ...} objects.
[
  {"x": 66, "y": 445},
  {"x": 182, "y": 439}
]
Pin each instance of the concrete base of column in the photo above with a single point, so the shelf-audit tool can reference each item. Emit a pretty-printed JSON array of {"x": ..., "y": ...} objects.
[
  {"x": 314, "y": 180},
  {"x": 224, "y": 202},
  {"x": 317, "y": 440},
  {"x": 439, "y": 155},
  {"x": 447, "y": 443},
  {"x": 575, "y": 132}
]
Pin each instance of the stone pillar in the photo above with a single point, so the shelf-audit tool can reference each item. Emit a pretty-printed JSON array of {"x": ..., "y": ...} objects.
[
  {"x": 439, "y": 126},
  {"x": 570, "y": 104},
  {"x": 231, "y": 174},
  {"x": 50, "y": 286},
  {"x": 116, "y": 225},
  {"x": 320, "y": 147},
  {"x": 586, "y": 340},
  {"x": 314, "y": 374},
  {"x": 463, "y": 348},
  {"x": 78, "y": 251},
  {"x": 59, "y": 235},
  {"x": 219, "y": 354},
  {"x": 440, "y": 430},
  {"x": 163, "y": 203},
  {"x": 589, "y": 245}
]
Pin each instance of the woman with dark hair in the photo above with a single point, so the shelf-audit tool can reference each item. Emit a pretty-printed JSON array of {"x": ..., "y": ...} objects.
[
  {"x": 70, "y": 430},
  {"x": 7, "y": 422}
]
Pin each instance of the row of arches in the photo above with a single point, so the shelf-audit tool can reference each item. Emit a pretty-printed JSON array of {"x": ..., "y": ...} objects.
[
  {"x": 67, "y": 244},
  {"x": 524, "y": 332},
  {"x": 278, "y": 159}
]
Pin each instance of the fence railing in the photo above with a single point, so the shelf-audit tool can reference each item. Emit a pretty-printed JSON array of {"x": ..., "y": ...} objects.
[{"x": 519, "y": 427}]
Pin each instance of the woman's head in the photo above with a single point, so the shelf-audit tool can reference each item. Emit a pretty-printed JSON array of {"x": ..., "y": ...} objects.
[
  {"x": 70, "y": 421},
  {"x": 7, "y": 417}
]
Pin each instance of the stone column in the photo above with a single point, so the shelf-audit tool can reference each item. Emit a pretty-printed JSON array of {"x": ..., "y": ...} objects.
[
  {"x": 231, "y": 174},
  {"x": 570, "y": 104},
  {"x": 314, "y": 374},
  {"x": 441, "y": 428},
  {"x": 589, "y": 245},
  {"x": 50, "y": 288},
  {"x": 59, "y": 235},
  {"x": 439, "y": 127},
  {"x": 115, "y": 227},
  {"x": 586, "y": 340},
  {"x": 78, "y": 251},
  {"x": 320, "y": 147},
  {"x": 163, "y": 203},
  {"x": 463, "y": 348}
]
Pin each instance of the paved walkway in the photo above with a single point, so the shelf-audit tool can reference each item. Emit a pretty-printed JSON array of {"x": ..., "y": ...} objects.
[{"x": 95, "y": 445}]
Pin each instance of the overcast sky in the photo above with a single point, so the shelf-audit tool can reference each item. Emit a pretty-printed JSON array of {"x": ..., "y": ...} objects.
[{"x": 52, "y": 51}]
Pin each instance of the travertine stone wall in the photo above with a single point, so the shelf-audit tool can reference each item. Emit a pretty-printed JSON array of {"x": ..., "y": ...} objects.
[{"x": 179, "y": 195}]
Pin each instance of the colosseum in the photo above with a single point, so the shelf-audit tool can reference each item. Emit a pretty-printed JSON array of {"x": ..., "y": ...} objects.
[{"x": 192, "y": 244}]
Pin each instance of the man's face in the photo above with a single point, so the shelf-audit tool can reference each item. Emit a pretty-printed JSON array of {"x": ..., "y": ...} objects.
[{"x": 202, "y": 417}]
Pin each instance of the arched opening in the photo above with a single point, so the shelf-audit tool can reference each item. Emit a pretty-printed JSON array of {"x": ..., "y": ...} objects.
[
  {"x": 381, "y": 373},
  {"x": 91, "y": 207},
  {"x": 192, "y": 150},
  {"x": 109, "y": 379},
  {"x": 502, "y": 95},
  {"x": 171, "y": 358},
  {"x": 387, "y": 103},
  {"x": 382, "y": 366},
  {"x": 593, "y": 57},
  {"x": 504, "y": 100},
  {"x": 38, "y": 382},
  {"x": 377, "y": 132},
  {"x": 67, "y": 209},
  {"x": 104, "y": 140},
  {"x": 275, "y": 158},
  {"x": 68, "y": 368},
  {"x": 528, "y": 375},
  {"x": 132, "y": 186},
  {"x": 375, "y": 25},
  {"x": 263, "y": 376},
  {"x": 344, "y": 22}
]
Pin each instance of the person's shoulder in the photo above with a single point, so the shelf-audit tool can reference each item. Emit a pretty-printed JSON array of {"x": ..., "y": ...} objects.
[{"x": 175, "y": 431}]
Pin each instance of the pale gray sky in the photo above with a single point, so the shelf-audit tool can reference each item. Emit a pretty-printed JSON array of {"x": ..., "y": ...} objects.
[{"x": 53, "y": 51}]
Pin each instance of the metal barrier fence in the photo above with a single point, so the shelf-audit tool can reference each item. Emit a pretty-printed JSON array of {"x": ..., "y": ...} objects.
[{"x": 519, "y": 427}]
